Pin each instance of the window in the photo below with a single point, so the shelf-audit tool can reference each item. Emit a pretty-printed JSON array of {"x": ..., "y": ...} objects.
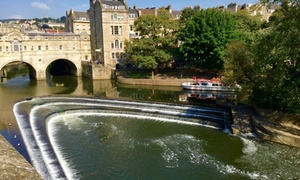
[
  {"x": 47, "y": 47},
  {"x": 117, "y": 55},
  {"x": 0, "y": 48},
  {"x": 132, "y": 16},
  {"x": 131, "y": 27},
  {"x": 6, "y": 48},
  {"x": 39, "y": 48},
  {"x": 113, "y": 55},
  {"x": 25, "y": 48},
  {"x": 32, "y": 48},
  {"x": 74, "y": 47},
  {"x": 86, "y": 57},
  {"x": 120, "y": 18},
  {"x": 15, "y": 45},
  {"x": 121, "y": 45},
  {"x": 60, "y": 47},
  {"x": 117, "y": 44},
  {"x": 115, "y": 30},
  {"x": 112, "y": 45}
]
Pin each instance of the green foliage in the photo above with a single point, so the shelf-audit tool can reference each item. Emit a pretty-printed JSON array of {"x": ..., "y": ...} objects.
[
  {"x": 139, "y": 74},
  {"x": 248, "y": 27},
  {"x": 268, "y": 69},
  {"x": 279, "y": 61},
  {"x": 158, "y": 42},
  {"x": 204, "y": 36},
  {"x": 239, "y": 69},
  {"x": 238, "y": 65}
]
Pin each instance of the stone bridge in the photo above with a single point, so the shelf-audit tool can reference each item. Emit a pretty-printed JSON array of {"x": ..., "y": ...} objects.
[{"x": 58, "y": 53}]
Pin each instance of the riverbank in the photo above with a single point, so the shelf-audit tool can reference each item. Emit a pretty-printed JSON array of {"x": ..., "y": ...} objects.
[
  {"x": 156, "y": 81},
  {"x": 13, "y": 164},
  {"x": 261, "y": 124},
  {"x": 266, "y": 125}
]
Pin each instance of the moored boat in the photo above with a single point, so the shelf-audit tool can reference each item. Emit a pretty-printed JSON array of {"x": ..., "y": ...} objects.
[{"x": 213, "y": 84}]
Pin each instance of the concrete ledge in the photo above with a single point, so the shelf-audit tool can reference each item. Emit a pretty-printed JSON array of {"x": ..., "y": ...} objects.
[
  {"x": 156, "y": 81},
  {"x": 13, "y": 164}
]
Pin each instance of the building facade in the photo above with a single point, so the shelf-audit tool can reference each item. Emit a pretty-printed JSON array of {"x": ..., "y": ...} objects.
[
  {"x": 77, "y": 22},
  {"x": 38, "y": 49},
  {"x": 110, "y": 28},
  {"x": 112, "y": 23}
]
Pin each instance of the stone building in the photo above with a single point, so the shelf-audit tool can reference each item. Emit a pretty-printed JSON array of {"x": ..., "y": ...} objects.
[
  {"x": 262, "y": 10},
  {"x": 112, "y": 23},
  {"x": 38, "y": 49},
  {"x": 258, "y": 9},
  {"x": 77, "y": 22},
  {"x": 233, "y": 7}
]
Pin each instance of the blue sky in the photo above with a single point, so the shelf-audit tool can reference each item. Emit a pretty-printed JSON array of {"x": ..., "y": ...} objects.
[{"x": 57, "y": 8}]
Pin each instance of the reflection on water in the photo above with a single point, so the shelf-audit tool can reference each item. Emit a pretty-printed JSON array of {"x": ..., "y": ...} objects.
[{"x": 64, "y": 84}]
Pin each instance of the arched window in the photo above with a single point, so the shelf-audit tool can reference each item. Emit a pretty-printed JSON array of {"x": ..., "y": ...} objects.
[
  {"x": 16, "y": 46},
  {"x": 117, "y": 44}
]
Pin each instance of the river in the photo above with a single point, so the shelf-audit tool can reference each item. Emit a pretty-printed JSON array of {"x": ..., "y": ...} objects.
[{"x": 105, "y": 144}]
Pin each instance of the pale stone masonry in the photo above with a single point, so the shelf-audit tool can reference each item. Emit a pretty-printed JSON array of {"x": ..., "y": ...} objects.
[
  {"x": 112, "y": 23},
  {"x": 110, "y": 28},
  {"x": 14, "y": 165},
  {"x": 77, "y": 22},
  {"x": 39, "y": 48}
]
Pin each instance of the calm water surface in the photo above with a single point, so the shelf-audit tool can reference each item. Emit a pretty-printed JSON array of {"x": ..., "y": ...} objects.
[{"x": 93, "y": 146}]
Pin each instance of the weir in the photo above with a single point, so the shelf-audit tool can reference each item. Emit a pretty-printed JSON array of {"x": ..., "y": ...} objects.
[{"x": 34, "y": 114}]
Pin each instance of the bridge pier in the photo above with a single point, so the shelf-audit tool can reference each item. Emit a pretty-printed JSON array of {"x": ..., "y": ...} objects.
[
  {"x": 96, "y": 71},
  {"x": 3, "y": 74}
]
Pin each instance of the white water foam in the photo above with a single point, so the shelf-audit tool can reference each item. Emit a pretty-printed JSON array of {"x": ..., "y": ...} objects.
[
  {"x": 51, "y": 132},
  {"x": 30, "y": 142},
  {"x": 35, "y": 154},
  {"x": 249, "y": 146},
  {"x": 44, "y": 147},
  {"x": 69, "y": 171}
]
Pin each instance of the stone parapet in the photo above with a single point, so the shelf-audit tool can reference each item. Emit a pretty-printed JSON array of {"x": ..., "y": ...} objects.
[{"x": 14, "y": 165}]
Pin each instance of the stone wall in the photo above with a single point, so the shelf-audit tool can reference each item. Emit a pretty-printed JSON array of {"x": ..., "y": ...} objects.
[
  {"x": 14, "y": 165},
  {"x": 157, "y": 81}
]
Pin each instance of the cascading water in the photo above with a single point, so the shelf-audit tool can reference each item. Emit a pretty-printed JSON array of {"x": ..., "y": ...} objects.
[
  {"x": 89, "y": 138},
  {"x": 33, "y": 115}
]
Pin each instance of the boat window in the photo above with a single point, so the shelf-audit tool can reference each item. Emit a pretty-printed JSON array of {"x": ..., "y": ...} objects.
[
  {"x": 204, "y": 84},
  {"x": 215, "y": 84}
]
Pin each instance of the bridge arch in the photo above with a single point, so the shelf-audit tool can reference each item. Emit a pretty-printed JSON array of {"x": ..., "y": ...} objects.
[
  {"x": 62, "y": 67},
  {"x": 31, "y": 68}
]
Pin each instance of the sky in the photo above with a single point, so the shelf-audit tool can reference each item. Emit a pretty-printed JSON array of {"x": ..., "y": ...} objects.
[{"x": 27, "y": 9}]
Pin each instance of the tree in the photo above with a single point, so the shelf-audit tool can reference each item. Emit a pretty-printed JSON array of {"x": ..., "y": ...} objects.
[
  {"x": 269, "y": 68},
  {"x": 239, "y": 69},
  {"x": 278, "y": 54},
  {"x": 205, "y": 35},
  {"x": 248, "y": 27},
  {"x": 156, "y": 46}
]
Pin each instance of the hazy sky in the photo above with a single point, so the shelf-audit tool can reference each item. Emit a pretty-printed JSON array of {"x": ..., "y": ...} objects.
[{"x": 57, "y": 8}]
